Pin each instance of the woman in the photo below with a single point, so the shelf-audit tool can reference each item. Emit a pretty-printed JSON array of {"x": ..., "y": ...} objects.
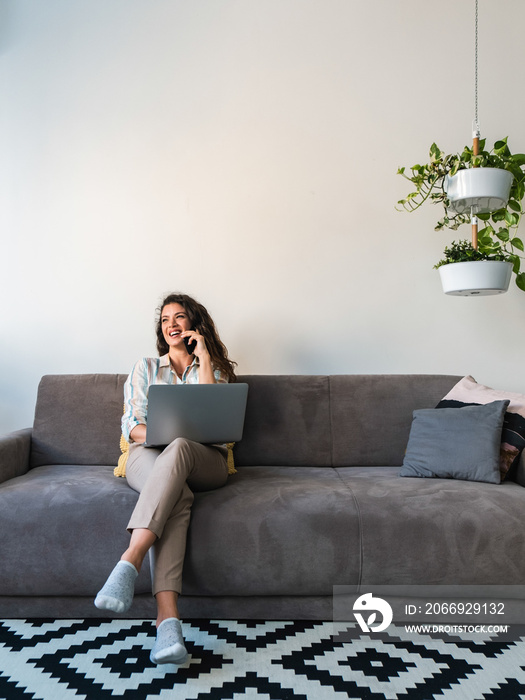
[{"x": 166, "y": 479}]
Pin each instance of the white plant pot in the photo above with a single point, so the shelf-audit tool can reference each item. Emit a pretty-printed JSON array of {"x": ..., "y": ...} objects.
[
  {"x": 478, "y": 278},
  {"x": 479, "y": 190}
]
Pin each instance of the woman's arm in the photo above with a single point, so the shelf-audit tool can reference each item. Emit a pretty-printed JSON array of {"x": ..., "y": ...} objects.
[
  {"x": 206, "y": 373},
  {"x": 136, "y": 402}
]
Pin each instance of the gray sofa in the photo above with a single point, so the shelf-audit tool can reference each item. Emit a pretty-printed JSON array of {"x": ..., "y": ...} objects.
[{"x": 316, "y": 502}]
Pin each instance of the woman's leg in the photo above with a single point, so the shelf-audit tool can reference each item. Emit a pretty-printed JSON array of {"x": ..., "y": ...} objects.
[
  {"x": 117, "y": 593},
  {"x": 181, "y": 463},
  {"x": 139, "y": 545},
  {"x": 161, "y": 516},
  {"x": 183, "y": 467},
  {"x": 167, "y": 605}
]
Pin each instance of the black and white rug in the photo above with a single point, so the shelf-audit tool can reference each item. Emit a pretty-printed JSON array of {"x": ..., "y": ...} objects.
[{"x": 100, "y": 659}]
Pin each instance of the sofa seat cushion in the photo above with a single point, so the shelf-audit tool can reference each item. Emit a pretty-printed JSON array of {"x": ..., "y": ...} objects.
[
  {"x": 273, "y": 531},
  {"x": 437, "y": 531},
  {"x": 63, "y": 529}
]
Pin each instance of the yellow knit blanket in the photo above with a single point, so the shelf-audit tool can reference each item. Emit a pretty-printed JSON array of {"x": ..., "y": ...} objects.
[{"x": 120, "y": 469}]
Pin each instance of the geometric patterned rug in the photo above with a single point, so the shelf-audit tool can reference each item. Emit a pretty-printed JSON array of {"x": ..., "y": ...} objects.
[{"x": 100, "y": 659}]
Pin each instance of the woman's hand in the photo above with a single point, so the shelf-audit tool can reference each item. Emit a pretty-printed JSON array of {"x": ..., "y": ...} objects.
[
  {"x": 206, "y": 375},
  {"x": 200, "y": 350},
  {"x": 138, "y": 434}
]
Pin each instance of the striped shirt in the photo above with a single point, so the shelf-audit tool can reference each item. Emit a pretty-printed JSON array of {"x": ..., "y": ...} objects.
[{"x": 153, "y": 370}]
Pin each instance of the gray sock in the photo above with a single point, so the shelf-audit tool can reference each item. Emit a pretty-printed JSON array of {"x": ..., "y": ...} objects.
[
  {"x": 117, "y": 592},
  {"x": 169, "y": 646}
]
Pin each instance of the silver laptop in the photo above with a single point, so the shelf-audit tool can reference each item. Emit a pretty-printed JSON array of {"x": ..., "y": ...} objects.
[{"x": 206, "y": 413}]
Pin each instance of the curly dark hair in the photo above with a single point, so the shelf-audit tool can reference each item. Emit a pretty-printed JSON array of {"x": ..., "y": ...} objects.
[{"x": 202, "y": 322}]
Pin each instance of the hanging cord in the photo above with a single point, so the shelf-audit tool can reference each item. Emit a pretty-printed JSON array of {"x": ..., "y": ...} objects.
[{"x": 475, "y": 128}]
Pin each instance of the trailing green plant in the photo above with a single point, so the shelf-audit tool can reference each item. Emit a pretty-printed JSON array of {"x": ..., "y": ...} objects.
[
  {"x": 464, "y": 251},
  {"x": 498, "y": 239}
]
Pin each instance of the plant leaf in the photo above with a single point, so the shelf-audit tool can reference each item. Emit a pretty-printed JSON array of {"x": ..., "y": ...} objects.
[
  {"x": 520, "y": 280},
  {"x": 516, "y": 261},
  {"x": 501, "y": 148},
  {"x": 435, "y": 153},
  {"x": 511, "y": 219}
]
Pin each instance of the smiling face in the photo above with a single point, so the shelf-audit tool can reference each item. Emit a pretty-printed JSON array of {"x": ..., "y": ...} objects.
[{"x": 174, "y": 320}]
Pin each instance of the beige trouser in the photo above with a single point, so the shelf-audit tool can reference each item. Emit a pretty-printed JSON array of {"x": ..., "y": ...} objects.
[{"x": 166, "y": 480}]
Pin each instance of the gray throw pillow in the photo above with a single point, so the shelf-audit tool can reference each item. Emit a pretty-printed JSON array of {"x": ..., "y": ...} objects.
[{"x": 456, "y": 443}]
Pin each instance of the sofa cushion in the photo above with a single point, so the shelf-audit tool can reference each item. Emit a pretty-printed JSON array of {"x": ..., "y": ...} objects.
[
  {"x": 63, "y": 529},
  {"x": 437, "y": 531},
  {"x": 287, "y": 422},
  {"x": 456, "y": 444},
  {"x": 468, "y": 392},
  {"x": 371, "y": 415},
  {"x": 273, "y": 531},
  {"x": 77, "y": 419}
]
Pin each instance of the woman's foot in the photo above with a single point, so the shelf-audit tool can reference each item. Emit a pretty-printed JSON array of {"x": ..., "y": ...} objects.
[
  {"x": 169, "y": 646},
  {"x": 117, "y": 593}
]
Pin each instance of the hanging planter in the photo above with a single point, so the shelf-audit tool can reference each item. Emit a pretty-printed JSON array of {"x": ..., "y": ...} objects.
[
  {"x": 478, "y": 190},
  {"x": 464, "y": 191},
  {"x": 471, "y": 185},
  {"x": 479, "y": 278}
]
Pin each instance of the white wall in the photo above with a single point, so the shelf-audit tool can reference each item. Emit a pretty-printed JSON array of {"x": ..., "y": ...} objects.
[{"x": 243, "y": 151}]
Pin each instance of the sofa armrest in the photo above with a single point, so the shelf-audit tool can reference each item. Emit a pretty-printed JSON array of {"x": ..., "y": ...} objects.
[
  {"x": 14, "y": 454},
  {"x": 520, "y": 471}
]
